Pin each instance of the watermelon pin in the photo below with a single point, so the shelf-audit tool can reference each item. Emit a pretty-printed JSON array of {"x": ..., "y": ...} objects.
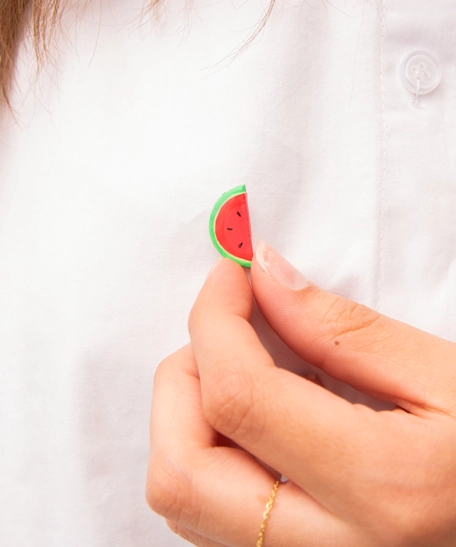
[{"x": 229, "y": 227}]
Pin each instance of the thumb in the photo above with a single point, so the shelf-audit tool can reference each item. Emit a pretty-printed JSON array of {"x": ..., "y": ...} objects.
[{"x": 351, "y": 342}]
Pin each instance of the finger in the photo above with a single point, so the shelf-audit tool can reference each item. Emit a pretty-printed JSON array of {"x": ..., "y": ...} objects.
[
  {"x": 373, "y": 353},
  {"x": 295, "y": 426},
  {"x": 216, "y": 492}
]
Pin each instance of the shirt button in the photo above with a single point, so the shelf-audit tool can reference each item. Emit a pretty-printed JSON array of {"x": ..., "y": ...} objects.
[{"x": 420, "y": 72}]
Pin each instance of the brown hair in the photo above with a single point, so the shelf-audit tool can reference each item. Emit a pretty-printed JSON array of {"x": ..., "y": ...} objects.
[
  {"x": 17, "y": 18},
  {"x": 39, "y": 19}
]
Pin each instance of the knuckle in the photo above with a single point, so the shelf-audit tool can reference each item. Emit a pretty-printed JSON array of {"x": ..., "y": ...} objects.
[
  {"x": 194, "y": 318},
  {"x": 228, "y": 403},
  {"x": 161, "y": 371},
  {"x": 172, "y": 367},
  {"x": 173, "y": 526},
  {"x": 168, "y": 491},
  {"x": 166, "y": 369},
  {"x": 187, "y": 534},
  {"x": 178, "y": 529},
  {"x": 339, "y": 317}
]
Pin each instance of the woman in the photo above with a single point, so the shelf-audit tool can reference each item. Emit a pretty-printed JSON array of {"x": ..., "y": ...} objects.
[{"x": 110, "y": 169}]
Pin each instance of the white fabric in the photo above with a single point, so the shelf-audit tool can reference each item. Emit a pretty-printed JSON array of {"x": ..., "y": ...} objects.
[{"x": 107, "y": 179}]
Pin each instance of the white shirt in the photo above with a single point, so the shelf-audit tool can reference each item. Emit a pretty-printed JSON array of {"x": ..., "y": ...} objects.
[{"x": 107, "y": 180}]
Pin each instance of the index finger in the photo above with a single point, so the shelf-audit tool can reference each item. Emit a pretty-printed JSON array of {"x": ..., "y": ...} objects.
[
  {"x": 293, "y": 425},
  {"x": 353, "y": 343}
]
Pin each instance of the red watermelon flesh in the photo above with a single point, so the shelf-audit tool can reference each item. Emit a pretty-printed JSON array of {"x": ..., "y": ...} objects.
[{"x": 232, "y": 227}]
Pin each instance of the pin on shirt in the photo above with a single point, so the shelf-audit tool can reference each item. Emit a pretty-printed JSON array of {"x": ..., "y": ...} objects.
[{"x": 229, "y": 226}]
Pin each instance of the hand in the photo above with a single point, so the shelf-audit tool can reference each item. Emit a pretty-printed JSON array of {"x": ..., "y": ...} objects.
[{"x": 357, "y": 478}]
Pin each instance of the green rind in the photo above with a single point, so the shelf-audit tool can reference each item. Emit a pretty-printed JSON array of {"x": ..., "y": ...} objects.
[{"x": 215, "y": 211}]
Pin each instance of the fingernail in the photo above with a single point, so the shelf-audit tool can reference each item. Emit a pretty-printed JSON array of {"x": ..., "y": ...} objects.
[{"x": 279, "y": 268}]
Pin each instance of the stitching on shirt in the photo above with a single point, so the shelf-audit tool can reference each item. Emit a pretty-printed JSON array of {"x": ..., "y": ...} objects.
[{"x": 383, "y": 176}]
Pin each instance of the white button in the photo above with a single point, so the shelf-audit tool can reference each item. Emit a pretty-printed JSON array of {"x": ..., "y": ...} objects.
[{"x": 420, "y": 72}]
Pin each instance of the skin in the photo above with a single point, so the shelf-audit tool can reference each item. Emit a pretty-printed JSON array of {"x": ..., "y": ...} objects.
[{"x": 356, "y": 477}]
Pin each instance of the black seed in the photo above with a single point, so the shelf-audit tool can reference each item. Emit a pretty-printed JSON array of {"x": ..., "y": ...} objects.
[
  {"x": 238, "y": 213},
  {"x": 240, "y": 245},
  {"x": 229, "y": 228}
]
